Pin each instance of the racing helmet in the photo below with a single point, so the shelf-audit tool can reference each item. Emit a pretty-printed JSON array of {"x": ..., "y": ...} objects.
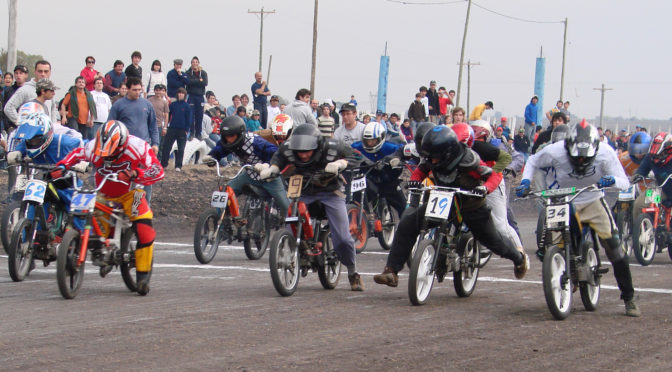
[
  {"x": 111, "y": 139},
  {"x": 420, "y": 132},
  {"x": 37, "y": 132},
  {"x": 410, "y": 150},
  {"x": 442, "y": 143},
  {"x": 638, "y": 145},
  {"x": 661, "y": 149},
  {"x": 482, "y": 130},
  {"x": 559, "y": 133},
  {"x": 232, "y": 125},
  {"x": 306, "y": 137},
  {"x": 374, "y": 131},
  {"x": 582, "y": 144},
  {"x": 281, "y": 127},
  {"x": 28, "y": 109},
  {"x": 464, "y": 132}
]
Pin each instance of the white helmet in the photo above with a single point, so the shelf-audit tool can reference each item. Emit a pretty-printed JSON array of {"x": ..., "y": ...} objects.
[
  {"x": 28, "y": 109},
  {"x": 281, "y": 126},
  {"x": 374, "y": 131},
  {"x": 482, "y": 130},
  {"x": 410, "y": 150}
]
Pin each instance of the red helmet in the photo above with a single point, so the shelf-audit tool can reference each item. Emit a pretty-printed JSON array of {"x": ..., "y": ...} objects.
[
  {"x": 661, "y": 149},
  {"x": 482, "y": 130},
  {"x": 465, "y": 133}
]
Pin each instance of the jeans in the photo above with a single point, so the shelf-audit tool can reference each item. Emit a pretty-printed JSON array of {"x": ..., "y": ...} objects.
[
  {"x": 529, "y": 133},
  {"x": 172, "y": 135},
  {"x": 275, "y": 188},
  {"x": 264, "y": 113},
  {"x": 196, "y": 103}
]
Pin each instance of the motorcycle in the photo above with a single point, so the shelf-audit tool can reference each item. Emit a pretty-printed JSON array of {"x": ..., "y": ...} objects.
[
  {"x": 11, "y": 213},
  {"x": 651, "y": 230}
]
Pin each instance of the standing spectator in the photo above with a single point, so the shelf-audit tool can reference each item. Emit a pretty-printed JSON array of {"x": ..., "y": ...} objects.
[
  {"x": 81, "y": 109},
  {"x": 176, "y": 79},
  {"x": 521, "y": 143},
  {"x": 425, "y": 101},
  {"x": 416, "y": 112},
  {"x": 445, "y": 104},
  {"x": 123, "y": 90},
  {"x": 160, "y": 103},
  {"x": 115, "y": 79},
  {"x": 506, "y": 131},
  {"x": 273, "y": 110},
  {"x": 260, "y": 93},
  {"x": 231, "y": 110},
  {"x": 565, "y": 110},
  {"x": 245, "y": 101},
  {"x": 393, "y": 125},
  {"x": 551, "y": 112},
  {"x": 477, "y": 112},
  {"x": 155, "y": 77},
  {"x": 622, "y": 141},
  {"x": 314, "y": 107},
  {"x": 353, "y": 101},
  {"x": 26, "y": 92},
  {"x": 180, "y": 120},
  {"x": 299, "y": 110},
  {"x": 11, "y": 115},
  {"x": 5, "y": 95},
  {"x": 457, "y": 115},
  {"x": 545, "y": 137},
  {"x": 351, "y": 131},
  {"x": 89, "y": 73},
  {"x": 609, "y": 136},
  {"x": 102, "y": 102},
  {"x": 531, "y": 118},
  {"x": 333, "y": 114},
  {"x": 433, "y": 97},
  {"x": 325, "y": 122},
  {"x": 198, "y": 80},
  {"x": 134, "y": 69},
  {"x": 537, "y": 132}
]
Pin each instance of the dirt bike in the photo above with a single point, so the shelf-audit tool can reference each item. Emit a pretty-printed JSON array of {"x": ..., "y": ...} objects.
[
  {"x": 106, "y": 252},
  {"x": 304, "y": 246},
  {"x": 451, "y": 249},
  {"x": 651, "y": 230},
  {"x": 11, "y": 213},
  {"x": 623, "y": 213},
  {"x": 227, "y": 221},
  {"x": 572, "y": 259},
  {"x": 36, "y": 234},
  {"x": 366, "y": 215}
]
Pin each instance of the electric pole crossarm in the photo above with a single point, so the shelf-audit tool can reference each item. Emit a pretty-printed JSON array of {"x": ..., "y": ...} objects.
[
  {"x": 602, "y": 90},
  {"x": 261, "y": 30}
]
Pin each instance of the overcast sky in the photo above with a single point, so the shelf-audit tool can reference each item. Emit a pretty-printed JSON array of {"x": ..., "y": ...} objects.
[{"x": 623, "y": 44}]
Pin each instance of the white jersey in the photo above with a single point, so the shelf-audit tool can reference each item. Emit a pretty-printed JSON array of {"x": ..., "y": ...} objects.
[
  {"x": 349, "y": 136},
  {"x": 605, "y": 164}
]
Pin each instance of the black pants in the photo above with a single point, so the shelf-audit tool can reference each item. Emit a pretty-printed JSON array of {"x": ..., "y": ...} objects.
[
  {"x": 479, "y": 221},
  {"x": 395, "y": 197},
  {"x": 264, "y": 114},
  {"x": 196, "y": 103},
  {"x": 172, "y": 135}
]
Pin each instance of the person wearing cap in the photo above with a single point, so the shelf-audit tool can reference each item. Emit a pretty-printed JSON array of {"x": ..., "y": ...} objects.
[
  {"x": 176, "y": 80},
  {"x": 162, "y": 110},
  {"x": 433, "y": 97},
  {"x": 353, "y": 101},
  {"x": 506, "y": 131},
  {"x": 622, "y": 141},
  {"x": 477, "y": 112},
  {"x": 299, "y": 110},
  {"x": 26, "y": 92},
  {"x": 351, "y": 131},
  {"x": 102, "y": 101},
  {"x": 273, "y": 110},
  {"x": 325, "y": 122},
  {"x": 154, "y": 77},
  {"x": 114, "y": 79},
  {"x": 521, "y": 143},
  {"x": 253, "y": 123},
  {"x": 260, "y": 94},
  {"x": 79, "y": 108},
  {"x": 89, "y": 73},
  {"x": 531, "y": 118}
]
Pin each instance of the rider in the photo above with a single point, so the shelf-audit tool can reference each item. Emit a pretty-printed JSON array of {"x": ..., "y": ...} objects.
[
  {"x": 658, "y": 161},
  {"x": 631, "y": 160},
  {"x": 453, "y": 165},
  {"x": 580, "y": 161},
  {"x": 310, "y": 152},
  {"x": 115, "y": 151},
  {"x": 251, "y": 149},
  {"x": 279, "y": 129},
  {"x": 374, "y": 147}
]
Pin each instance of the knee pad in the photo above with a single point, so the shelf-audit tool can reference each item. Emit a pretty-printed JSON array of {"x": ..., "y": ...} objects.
[
  {"x": 146, "y": 233},
  {"x": 612, "y": 248}
]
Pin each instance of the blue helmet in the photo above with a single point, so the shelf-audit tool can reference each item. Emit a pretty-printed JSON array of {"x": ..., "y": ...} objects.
[
  {"x": 639, "y": 145},
  {"x": 36, "y": 132}
]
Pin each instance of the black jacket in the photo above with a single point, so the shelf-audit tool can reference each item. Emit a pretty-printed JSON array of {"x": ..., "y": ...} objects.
[
  {"x": 196, "y": 86},
  {"x": 521, "y": 144},
  {"x": 417, "y": 111}
]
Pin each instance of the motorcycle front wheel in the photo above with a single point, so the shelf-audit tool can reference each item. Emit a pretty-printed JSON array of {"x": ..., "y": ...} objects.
[
  {"x": 283, "y": 260},
  {"x": 421, "y": 277},
  {"x": 556, "y": 282},
  {"x": 68, "y": 275}
]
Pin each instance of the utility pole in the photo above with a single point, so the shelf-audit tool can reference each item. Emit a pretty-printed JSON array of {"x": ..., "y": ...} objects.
[
  {"x": 312, "y": 67},
  {"x": 603, "y": 89},
  {"x": 11, "y": 35},
  {"x": 564, "y": 49},
  {"x": 261, "y": 31},
  {"x": 468, "y": 64},
  {"x": 464, "y": 41}
]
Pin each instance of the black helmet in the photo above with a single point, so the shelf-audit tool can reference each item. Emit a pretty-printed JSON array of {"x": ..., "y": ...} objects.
[
  {"x": 306, "y": 137},
  {"x": 559, "y": 133},
  {"x": 232, "y": 125},
  {"x": 582, "y": 144},
  {"x": 442, "y": 143},
  {"x": 420, "y": 132}
]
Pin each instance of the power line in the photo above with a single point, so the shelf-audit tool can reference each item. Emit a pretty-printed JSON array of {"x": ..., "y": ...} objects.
[{"x": 512, "y": 17}]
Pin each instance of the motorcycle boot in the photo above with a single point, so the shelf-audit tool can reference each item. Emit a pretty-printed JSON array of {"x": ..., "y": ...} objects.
[
  {"x": 387, "y": 277},
  {"x": 142, "y": 280}
]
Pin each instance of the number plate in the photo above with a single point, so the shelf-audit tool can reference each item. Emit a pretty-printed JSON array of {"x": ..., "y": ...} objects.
[
  {"x": 21, "y": 183},
  {"x": 557, "y": 214},
  {"x": 627, "y": 195},
  {"x": 652, "y": 196},
  {"x": 358, "y": 184},
  {"x": 439, "y": 204},
  {"x": 294, "y": 186},
  {"x": 35, "y": 190},
  {"x": 219, "y": 199},
  {"x": 255, "y": 203},
  {"x": 82, "y": 202}
]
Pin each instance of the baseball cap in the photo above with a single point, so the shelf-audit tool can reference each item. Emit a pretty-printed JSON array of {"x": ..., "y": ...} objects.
[
  {"x": 503, "y": 119},
  {"x": 348, "y": 107},
  {"x": 499, "y": 129},
  {"x": 21, "y": 68},
  {"x": 45, "y": 84},
  {"x": 256, "y": 112},
  {"x": 159, "y": 87},
  {"x": 379, "y": 112},
  {"x": 432, "y": 82},
  {"x": 521, "y": 130},
  {"x": 274, "y": 98},
  {"x": 177, "y": 61}
]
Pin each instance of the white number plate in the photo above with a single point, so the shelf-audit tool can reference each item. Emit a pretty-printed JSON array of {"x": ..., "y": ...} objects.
[
  {"x": 35, "y": 190},
  {"x": 82, "y": 202},
  {"x": 557, "y": 214},
  {"x": 627, "y": 195},
  {"x": 21, "y": 182},
  {"x": 358, "y": 184},
  {"x": 439, "y": 204},
  {"x": 219, "y": 199}
]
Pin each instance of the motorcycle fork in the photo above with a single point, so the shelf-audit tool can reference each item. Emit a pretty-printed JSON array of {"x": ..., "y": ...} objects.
[
  {"x": 438, "y": 241},
  {"x": 667, "y": 217},
  {"x": 234, "y": 208}
]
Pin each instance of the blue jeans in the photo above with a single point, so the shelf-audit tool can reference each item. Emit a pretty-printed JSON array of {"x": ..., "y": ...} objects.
[
  {"x": 275, "y": 188},
  {"x": 196, "y": 103}
]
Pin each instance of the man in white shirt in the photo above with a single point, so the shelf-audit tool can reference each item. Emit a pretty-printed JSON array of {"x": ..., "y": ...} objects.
[
  {"x": 351, "y": 131},
  {"x": 103, "y": 103}
]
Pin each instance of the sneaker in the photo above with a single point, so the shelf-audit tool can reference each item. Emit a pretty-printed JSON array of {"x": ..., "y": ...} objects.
[
  {"x": 387, "y": 277},
  {"x": 631, "y": 309},
  {"x": 178, "y": 169},
  {"x": 520, "y": 270},
  {"x": 356, "y": 282},
  {"x": 143, "y": 287}
]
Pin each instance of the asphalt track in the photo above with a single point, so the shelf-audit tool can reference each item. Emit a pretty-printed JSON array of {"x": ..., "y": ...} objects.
[{"x": 227, "y": 316}]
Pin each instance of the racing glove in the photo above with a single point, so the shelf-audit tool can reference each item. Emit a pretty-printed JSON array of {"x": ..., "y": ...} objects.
[
  {"x": 394, "y": 162},
  {"x": 209, "y": 161},
  {"x": 524, "y": 188},
  {"x": 57, "y": 172},
  {"x": 636, "y": 178},
  {"x": 82, "y": 166},
  {"x": 606, "y": 181},
  {"x": 336, "y": 166},
  {"x": 14, "y": 157},
  {"x": 126, "y": 176},
  {"x": 269, "y": 172},
  {"x": 260, "y": 167},
  {"x": 480, "y": 190}
]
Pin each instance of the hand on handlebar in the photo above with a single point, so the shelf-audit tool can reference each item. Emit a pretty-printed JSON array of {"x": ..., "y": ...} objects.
[
  {"x": 636, "y": 178},
  {"x": 269, "y": 172},
  {"x": 14, "y": 157},
  {"x": 126, "y": 175},
  {"x": 394, "y": 162},
  {"x": 336, "y": 166},
  {"x": 480, "y": 190},
  {"x": 524, "y": 189},
  {"x": 606, "y": 181},
  {"x": 57, "y": 172},
  {"x": 81, "y": 167},
  {"x": 260, "y": 167},
  {"x": 209, "y": 161}
]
